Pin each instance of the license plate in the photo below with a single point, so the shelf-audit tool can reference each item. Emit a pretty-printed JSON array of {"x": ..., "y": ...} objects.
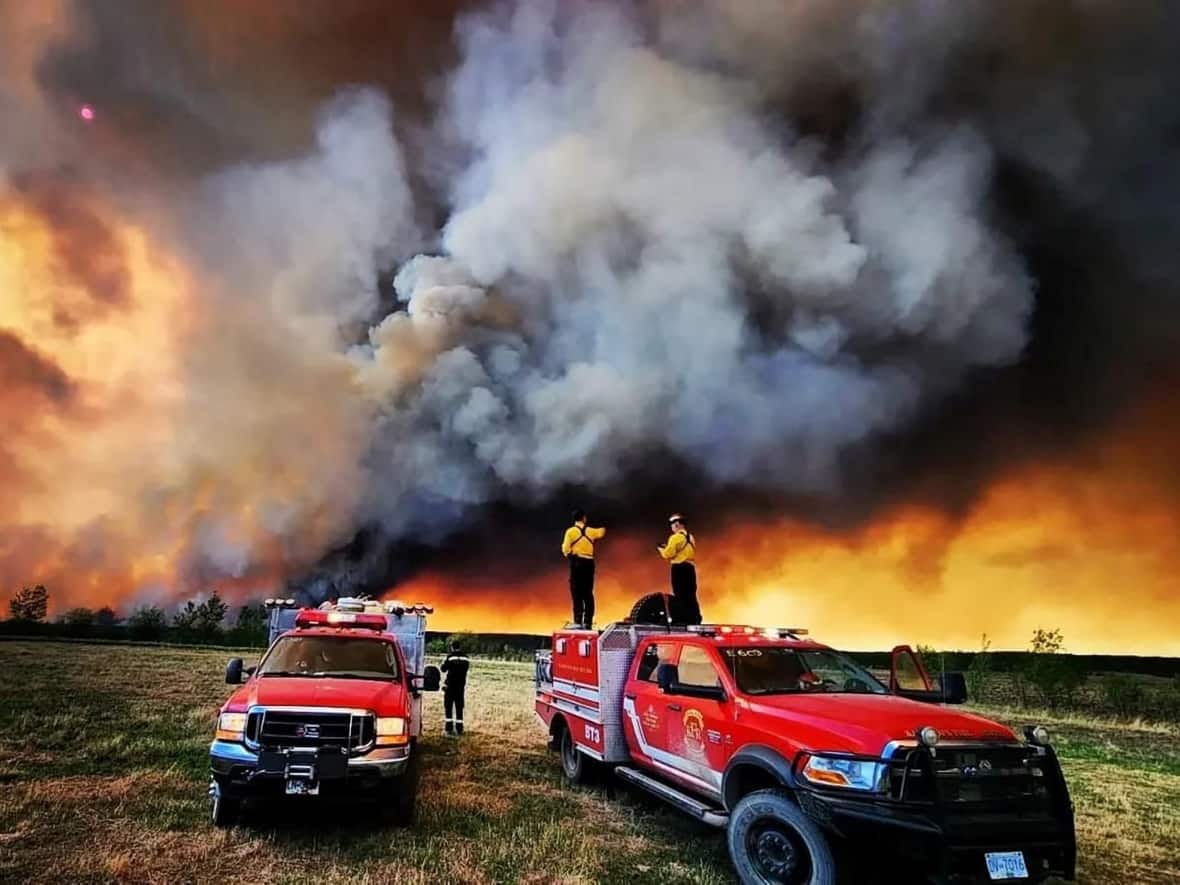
[
  {"x": 300, "y": 787},
  {"x": 1006, "y": 865}
]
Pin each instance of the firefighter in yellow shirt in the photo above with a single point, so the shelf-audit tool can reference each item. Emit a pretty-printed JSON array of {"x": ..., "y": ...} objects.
[
  {"x": 681, "y": 551},
  {"x": 578, "y": 547}
]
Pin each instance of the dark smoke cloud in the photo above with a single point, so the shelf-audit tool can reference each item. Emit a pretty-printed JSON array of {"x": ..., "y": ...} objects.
[{"x": 729, "y": 256}]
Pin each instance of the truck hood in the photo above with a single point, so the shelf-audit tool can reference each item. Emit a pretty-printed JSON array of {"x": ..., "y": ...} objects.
[
  {"x": 383, "y": 698},
  {"x": 865, "y": 723}
]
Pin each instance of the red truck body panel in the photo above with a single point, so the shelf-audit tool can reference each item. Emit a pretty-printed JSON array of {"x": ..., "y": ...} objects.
[{"x": 594, "y": 684}]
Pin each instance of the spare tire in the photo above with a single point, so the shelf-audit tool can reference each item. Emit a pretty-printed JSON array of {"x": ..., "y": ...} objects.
[{"x": 650, "y": 609}]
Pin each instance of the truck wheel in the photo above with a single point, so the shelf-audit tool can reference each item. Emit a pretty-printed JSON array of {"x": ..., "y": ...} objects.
[
  {"x": 224, "y": 810},
  {"x": 576, "y": 765},
  {"x": 772, "y": 842},
  {"x": 400, "y": 799}
]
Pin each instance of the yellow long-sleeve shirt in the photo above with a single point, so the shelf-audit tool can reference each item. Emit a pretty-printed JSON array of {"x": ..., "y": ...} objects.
[
  {"x": 579, "y": 540},
  {"x": 681, "y": 547}
]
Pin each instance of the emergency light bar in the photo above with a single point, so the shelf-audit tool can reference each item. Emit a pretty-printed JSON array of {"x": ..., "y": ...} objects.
[
  {"x": 790, "y": 632},
  {"x": 313, "y": 618},
  {"x": 725, "y": 629},
  {"x": 400, "y": 608}
]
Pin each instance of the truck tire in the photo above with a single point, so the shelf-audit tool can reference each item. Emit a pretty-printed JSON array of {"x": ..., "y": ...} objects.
[
  {"x": 576, "y": 765},
  {"x": 224, "y": 809},
  {"x": 400, "y": 796},
  {"x": 772, "y": 842},
  {"x": 650, "y": 609}
]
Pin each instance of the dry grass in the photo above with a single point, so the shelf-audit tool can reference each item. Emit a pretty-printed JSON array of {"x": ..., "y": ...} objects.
[{"x": 103, "y": 767}]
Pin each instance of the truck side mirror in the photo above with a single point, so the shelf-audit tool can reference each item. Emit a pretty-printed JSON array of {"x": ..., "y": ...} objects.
[
  {"x": 430, "y": 678},
  {"x": 954, "y": 688},
  {"x": 233, "y": 671},
  {"x": 668, "y": 677}
]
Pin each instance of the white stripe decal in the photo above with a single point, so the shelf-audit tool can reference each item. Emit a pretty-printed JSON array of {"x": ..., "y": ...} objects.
[
  {"x": 700, "y": 774},
  {"x": 577, "y": 689},
  {"x": 582, "y": 712}
]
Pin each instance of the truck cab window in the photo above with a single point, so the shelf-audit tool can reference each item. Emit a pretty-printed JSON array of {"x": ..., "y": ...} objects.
[
  {"x": 696, "y": 668},
  {"x": 655, "y": 654},
  {"x": 340, "y": 657}
]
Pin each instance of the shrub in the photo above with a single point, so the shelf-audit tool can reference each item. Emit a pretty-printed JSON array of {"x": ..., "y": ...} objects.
[
  {"x": 1054, "y": 675},
  {"x": 1124, "y": 695},
  {"x": 78, "y": 617},
  {"x": 30, "y": 604},
  {"x": 148, "y": 622},
  {"x": 1165, "y": 702},
  {"x": 978, "y": 670},
  {"x": 106, "y": 617}
]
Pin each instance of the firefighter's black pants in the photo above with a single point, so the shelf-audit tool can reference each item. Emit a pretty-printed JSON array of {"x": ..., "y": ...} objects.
[
  {"x": 582, "y": 589},
  {"x": 453, "y": 707},
  {"x": 685, "y": 609}
]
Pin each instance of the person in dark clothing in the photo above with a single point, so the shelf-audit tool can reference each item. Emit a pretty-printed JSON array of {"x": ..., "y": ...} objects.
[
  {"x": 577, "y": 545},
  {"x": 680, "y": 551},
  {"x": 455, "y": 666}
]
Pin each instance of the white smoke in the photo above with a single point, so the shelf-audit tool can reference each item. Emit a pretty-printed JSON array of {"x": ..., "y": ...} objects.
[{"x": 636, "y": 211}]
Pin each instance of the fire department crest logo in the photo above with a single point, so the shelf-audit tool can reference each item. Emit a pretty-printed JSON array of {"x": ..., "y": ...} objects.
[
  {"x": 651, "y": 719},
  {"x": 694, "y": 733}
]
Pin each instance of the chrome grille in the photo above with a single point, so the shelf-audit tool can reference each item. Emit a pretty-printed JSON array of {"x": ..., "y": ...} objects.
[{"x": 349, "y": 731}]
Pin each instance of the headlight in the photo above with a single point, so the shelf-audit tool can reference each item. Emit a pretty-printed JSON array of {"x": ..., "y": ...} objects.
[
  {"x": 391, "y": 730},
  {"x": 230, "y": 726},
  {"x": 929, "y": 736},
  {"x": 855, "y": 774}
]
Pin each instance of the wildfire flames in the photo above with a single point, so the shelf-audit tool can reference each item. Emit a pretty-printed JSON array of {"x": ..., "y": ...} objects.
[{"x": 732, "y": 259}]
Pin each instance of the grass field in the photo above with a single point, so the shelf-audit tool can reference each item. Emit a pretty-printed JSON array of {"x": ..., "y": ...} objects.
[{"x": 103, "y": 769}]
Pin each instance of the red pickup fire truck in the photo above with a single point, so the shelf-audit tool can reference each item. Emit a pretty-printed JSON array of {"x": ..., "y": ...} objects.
[
  {"x": 801, "y": 754},
  {"x": 334, "y": 708}
]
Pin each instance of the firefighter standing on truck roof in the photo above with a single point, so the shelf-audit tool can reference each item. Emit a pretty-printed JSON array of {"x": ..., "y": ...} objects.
[
  {"x": 681, "y": 552},
  {"x": 578, "y": 547},
  {"x": 455, "y": 666}
]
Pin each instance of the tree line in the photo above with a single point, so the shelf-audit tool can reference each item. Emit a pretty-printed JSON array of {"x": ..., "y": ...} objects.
[{"x": 203, "y": 622}]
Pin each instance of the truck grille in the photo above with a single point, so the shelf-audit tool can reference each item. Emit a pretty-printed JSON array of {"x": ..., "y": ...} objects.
[
  {"x": 972, "y": 775},
  {"x": 276, "y": 729}
]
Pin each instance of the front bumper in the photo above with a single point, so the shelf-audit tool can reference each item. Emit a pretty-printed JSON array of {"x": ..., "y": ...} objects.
[
  {"x": 949, "y": 839},
  {"x": 241, "y": 769},
  {"x": 949, "y": 844}
]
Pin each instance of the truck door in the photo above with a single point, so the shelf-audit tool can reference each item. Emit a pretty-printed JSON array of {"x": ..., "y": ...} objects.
[
  {"x": 643, "y": 702},
  {"x": 906, "y": 672},
  {"x": 700, "y": 733}
]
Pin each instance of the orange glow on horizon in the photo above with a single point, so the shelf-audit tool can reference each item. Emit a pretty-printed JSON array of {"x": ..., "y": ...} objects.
[{"x": 1088, "y": 546}]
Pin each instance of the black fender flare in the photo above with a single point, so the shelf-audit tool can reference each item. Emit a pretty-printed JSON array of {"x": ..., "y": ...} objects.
[
  {"x": 760, "y": 756},
  {"x": 556, "y": 725}
]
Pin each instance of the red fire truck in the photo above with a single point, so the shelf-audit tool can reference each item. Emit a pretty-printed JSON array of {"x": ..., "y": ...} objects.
[
  {"x": 333, "y": 708},
  {"x": 800, "y": 753}
]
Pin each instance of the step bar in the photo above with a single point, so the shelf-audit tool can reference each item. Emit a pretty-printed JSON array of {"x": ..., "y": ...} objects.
[{"x": 707, "y": 814}]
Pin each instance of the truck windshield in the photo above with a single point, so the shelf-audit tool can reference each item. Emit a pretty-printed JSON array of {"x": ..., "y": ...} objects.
[
  {"x": 778, "y": 670},
  {"x": 341, "y": 657}
]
